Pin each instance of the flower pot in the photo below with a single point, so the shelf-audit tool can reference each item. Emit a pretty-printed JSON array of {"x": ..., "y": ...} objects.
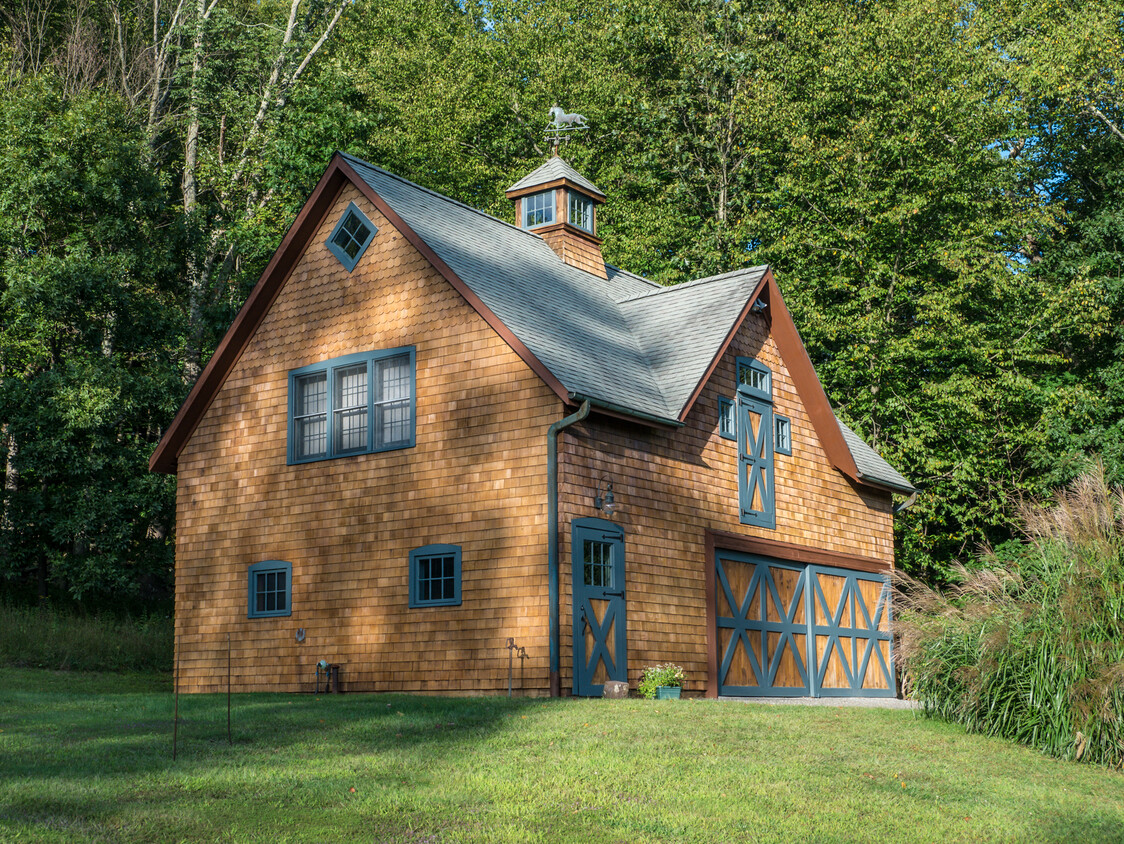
[{"x": 667, "y": 692}]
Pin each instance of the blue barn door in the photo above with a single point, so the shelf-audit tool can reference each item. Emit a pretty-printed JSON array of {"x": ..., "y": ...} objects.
[
  {"x": 755, "y": 463},
  {"x": 600, "y": 642},
  {"x": 789, "y": 629}
]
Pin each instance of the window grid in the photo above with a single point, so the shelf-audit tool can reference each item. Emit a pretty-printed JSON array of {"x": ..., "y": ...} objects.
[
  {"x": 727, "y": 419},
  {"x": 435, "y": 576},
  {"x": 597, "y": 561},
  {"x": 755, "y": 377},
  {"x": 351, "y": 236},
  {"x": 269, "y": 589},
  {"x": 538, "y": 209},
  {"x": 782, "y": 441},
  {"x": 581, "y": 212},
  {"x": 351, "y": 408},
  {"x": 312, "y": 415},
  {"x": 368, "y": 407}
]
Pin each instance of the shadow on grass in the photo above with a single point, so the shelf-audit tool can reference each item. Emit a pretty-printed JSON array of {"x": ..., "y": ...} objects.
[{"x": 131, "y": 733}]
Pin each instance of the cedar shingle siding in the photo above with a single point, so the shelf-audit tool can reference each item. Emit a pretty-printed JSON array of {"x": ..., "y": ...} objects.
[{"x": 508, "y": 339}]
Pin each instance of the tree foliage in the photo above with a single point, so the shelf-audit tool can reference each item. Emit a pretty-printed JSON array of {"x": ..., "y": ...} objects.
[
  {"x": 938, "y": 187},
  {"x": 89, "y": 265}
]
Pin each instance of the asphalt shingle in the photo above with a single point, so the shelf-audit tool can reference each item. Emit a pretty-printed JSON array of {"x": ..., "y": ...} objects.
[{"x": 626, "y": 341}]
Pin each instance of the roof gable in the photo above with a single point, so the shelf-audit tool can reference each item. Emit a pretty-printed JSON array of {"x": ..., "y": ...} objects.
[{"x": 625, "y": 343}]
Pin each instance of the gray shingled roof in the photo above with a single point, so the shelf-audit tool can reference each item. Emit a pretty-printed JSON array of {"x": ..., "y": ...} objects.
[
  {"x": 555, "y": 169},
  {"x": 680, "y": 328},
  {"x": 627, "y": 341},
  {"x": 870, "y": 465}
]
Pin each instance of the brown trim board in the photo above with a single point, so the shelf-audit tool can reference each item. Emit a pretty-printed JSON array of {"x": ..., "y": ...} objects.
[
  {"x": 717, "y": 539},
  {"x": 249, "y": 317},
  {"x": 808, "y": 385},
  {"x": 800, "y": 368}
]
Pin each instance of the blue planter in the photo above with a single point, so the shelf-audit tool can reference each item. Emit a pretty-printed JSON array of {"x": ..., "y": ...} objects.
[{"x": 667, "y": 692}]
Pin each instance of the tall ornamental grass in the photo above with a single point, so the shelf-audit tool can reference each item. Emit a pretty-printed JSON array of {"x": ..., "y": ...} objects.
[
  {"x": 1030, "y": 645},
  {"x": 44, "y": 637}
]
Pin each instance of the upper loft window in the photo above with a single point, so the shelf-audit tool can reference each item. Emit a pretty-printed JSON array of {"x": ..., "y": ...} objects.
[
  {"x": 352, "y": 405},
  {"x": 755, "y": 378},
  {"x": 581, "y": 212},
  {"x": 351, "y": 236},
  {"x": 538, "y": 209}
]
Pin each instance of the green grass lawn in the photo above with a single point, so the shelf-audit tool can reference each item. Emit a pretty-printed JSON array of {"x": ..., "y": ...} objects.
[{"x": 87, "y": 757}]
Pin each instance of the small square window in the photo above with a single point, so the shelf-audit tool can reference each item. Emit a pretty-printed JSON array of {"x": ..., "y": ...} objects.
[
  {"x": 581, "y": 212},
  {"x": 269, "y": 590},
  {"x": 538, "y": 209},
  {"x": 435, "y": 576},
  {"x": 727, "y": 420},
  {"x": 782, "y": 442},
  {"x": 351, "y": 236}
]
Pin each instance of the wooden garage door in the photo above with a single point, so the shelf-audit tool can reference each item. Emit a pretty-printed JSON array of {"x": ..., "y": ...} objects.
[{"x": 786, "y": 629}]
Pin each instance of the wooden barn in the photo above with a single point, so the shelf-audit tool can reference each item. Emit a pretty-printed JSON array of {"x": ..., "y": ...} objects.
[{"x": 431, "y": 434}]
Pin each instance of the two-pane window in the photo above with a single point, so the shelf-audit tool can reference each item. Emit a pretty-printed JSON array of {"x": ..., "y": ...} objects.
[
  {"x": 581, "y": 212},
  {"x": 352, "y": 405}
]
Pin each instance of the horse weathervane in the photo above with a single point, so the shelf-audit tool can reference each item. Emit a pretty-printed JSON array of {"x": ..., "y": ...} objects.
[{"x": 561, "y": 124}]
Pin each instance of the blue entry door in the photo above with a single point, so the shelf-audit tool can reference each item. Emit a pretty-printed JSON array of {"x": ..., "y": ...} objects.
[{"x": 600, "y": 641}]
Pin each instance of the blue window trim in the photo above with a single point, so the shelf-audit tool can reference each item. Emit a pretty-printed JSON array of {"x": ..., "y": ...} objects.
[
  {"x": 748, "y": 390},
  {"x": 571, "y": 195},
  {"x": 782, "y": 444},
  {"x": 345, "y": 259},
  {"x": 551, "y": 204},
  {"x": 251, "y": 588},
  {"x": 328, "y": 367},
  {"x": 435, "y": 551},
  {"x": 727, "y": 419}
]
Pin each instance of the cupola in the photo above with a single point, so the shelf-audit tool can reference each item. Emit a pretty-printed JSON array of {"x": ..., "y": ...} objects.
[{"x": 560, "y": 204}]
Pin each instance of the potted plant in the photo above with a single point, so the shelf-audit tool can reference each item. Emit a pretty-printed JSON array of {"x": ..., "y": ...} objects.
[{"x": 662, "y": 681}]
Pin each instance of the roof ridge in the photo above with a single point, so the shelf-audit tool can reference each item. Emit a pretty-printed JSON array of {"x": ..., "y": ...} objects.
[
  {"x": 637, "y": 276},
  {"x": 438, "y": 195},
  {"x": 697, "y": 282}
]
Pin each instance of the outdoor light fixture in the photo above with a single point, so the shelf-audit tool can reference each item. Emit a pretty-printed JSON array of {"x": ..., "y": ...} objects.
[{"x": 604, "y": 500}]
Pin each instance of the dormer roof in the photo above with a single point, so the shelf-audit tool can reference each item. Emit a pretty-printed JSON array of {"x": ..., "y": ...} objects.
[{"x": 553, "y": 172}]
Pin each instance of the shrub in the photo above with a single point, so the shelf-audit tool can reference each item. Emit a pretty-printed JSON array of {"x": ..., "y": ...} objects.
[
  {"x": 43, "y": 637},
  {"x": 1030, "y": 645},
  {"x": 654, "y": 676}
]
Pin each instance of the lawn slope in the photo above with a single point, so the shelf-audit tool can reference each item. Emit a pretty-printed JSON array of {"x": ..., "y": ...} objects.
[{"x": 87, "y": 758}]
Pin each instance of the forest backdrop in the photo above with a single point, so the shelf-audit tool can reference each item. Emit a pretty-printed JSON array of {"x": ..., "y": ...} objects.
[{"x": 937, "y": 185}]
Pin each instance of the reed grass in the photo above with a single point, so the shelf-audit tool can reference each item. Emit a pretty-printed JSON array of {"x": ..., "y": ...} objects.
[
  {"x": 1030, "y": 644},
  {"x": 45, "y": 637}
]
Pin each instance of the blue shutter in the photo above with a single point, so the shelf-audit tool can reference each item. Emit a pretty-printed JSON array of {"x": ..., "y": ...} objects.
[{"x": 755, "y": 463}]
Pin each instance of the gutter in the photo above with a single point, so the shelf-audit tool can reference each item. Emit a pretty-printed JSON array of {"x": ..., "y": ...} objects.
[
  {"x": 552, "y": 540},
  {"x": 621, "y": 410}
]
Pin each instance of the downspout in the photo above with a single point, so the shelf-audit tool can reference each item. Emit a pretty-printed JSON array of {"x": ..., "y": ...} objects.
[{"x": 552, "y": 541}]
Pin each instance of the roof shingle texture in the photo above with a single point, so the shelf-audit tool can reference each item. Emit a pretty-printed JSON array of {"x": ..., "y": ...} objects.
[
  {"x": 626, "y": 341},
  {"x": 555, "y": 169}
]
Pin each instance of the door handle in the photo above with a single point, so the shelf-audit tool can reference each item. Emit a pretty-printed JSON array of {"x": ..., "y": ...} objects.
[{"x": 614, "y": 594}]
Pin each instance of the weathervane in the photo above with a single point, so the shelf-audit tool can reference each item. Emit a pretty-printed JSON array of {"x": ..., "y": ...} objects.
[{"x": 561, "y": 124}]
